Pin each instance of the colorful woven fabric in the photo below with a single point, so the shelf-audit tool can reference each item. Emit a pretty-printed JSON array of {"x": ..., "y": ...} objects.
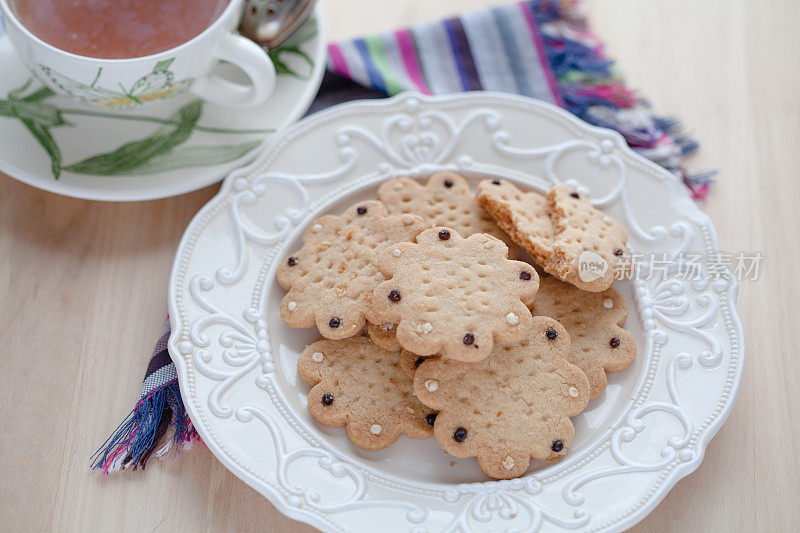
[
  {"x": 160, "y": 405},
  {"x": 540, "y": 49},
  {"x": 499, "y": 49}
]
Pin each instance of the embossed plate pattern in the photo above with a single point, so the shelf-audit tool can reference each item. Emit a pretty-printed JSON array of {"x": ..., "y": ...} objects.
[{"x": 236, "y": 359}]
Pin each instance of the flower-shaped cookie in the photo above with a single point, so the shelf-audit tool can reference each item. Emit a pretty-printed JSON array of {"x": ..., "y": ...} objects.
[
  {"x": 512, "y": 406},
  {"x": 594, "y": 321},
  {"x": 331, "y": 278},
  {"x": 445, "y": 200},
  {"x": 361, "y": 386},
  {"x": 563, "y": 232},
  {"x": 453, "y": 296}
]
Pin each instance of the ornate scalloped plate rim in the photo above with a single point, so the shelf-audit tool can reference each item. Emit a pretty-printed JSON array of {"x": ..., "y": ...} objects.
[{"x": 675, "y": 472}]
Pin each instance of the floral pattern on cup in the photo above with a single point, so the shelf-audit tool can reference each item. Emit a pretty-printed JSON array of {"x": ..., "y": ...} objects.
[{"x": 160, "y": 83}]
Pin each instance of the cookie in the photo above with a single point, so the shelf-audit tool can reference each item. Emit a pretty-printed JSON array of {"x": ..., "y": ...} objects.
[
  {"x": 356, "y": 384},
  {"x": 563, "y": 232},
  {"x": 453, "y": 296},
  {"x": 384, "y": 335},
  {"x": 514, "y": 405},
  {"x": 594, "y": 321},
  {"x": 410, "y": 362},
  {"x": 445, "y": 200},
  {"x": 524, "y": 215},
  {"x": 331, "y": 278}
]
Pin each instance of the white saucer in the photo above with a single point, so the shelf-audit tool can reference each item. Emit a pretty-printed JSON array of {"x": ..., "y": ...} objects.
[{"x": 223, "y": 139}]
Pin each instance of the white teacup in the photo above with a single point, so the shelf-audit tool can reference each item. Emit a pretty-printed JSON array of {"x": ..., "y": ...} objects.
[{"x": 127, "y": 83}]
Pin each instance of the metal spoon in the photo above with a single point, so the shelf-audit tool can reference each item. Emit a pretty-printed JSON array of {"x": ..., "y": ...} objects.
[{"x": 271, "y": 22}]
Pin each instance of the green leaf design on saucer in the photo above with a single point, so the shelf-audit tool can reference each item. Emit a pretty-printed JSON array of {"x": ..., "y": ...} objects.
[
  {"x": 37, "y": 117},
  {"x": 152, "y": 154},
  {"x": 196, "y": 156},
  {"x": 293, "y": 47},
  {"x": 133, "y": 154}
]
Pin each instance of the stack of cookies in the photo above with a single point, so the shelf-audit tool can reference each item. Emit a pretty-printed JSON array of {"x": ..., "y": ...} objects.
[{"x": 432, "y": 328}]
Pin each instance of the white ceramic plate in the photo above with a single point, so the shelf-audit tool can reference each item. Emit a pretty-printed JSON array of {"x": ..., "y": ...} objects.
[
  {"x": 237, "y": 360},
  {"x": 88, "y": 141}
]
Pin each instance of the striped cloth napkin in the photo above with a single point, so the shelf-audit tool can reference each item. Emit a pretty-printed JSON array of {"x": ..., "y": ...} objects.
[{"x": 540, "y": 48}]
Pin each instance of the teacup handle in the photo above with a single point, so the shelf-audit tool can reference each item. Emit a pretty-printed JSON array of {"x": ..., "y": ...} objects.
[{"x": 253, "y": 60}]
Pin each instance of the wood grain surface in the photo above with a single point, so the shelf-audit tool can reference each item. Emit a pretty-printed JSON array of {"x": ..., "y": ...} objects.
[{"x": 83, "y": 290}]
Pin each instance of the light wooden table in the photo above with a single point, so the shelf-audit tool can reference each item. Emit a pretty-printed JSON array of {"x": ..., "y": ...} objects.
[{"x": 83, "y": 290}]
